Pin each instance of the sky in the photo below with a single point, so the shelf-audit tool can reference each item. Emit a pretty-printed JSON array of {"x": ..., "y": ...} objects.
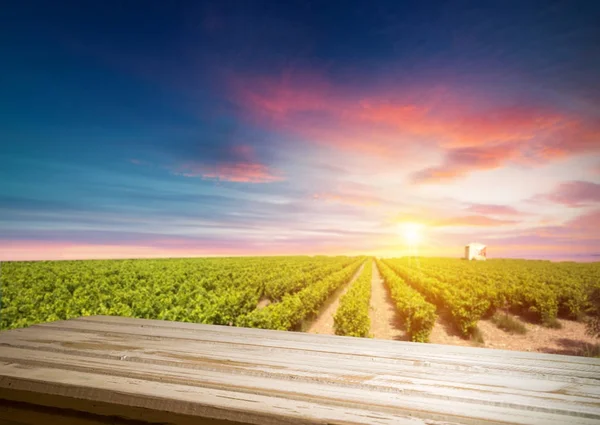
[{"x": 138, "y": 129}]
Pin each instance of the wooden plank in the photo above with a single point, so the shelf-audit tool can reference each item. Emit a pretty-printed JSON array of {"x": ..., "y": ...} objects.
[
  {"x": 411, "y": 363},
  {"x": 258, "y": 376},
  {"x": 219, "y": 357},
  {"x": 340, "y": 342},
  {"x": 259, "y": 409},
  {"x": 337, "y": 341},
  {"x": 568, "y": 405},
  {"x": 399, "y": 352},
  {"x": 185, "y": 399}
]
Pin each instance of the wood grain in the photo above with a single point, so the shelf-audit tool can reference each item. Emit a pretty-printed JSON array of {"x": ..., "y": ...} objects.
[{"x": 182, "y": 373}]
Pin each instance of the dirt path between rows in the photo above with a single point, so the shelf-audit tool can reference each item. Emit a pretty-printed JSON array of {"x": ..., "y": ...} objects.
[
  {"x": 444, "y": 332},
  {"x": 385, "y": 322},
  {"x": 323, "y": 324},
  {"x": 569, "y": 340}
]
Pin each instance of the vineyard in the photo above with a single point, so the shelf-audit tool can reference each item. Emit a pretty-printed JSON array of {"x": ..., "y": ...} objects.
[
  {"x": 469, "y": 291},
  {"x": 220, "y": 291},
  {"x": 283, "y": 292}
]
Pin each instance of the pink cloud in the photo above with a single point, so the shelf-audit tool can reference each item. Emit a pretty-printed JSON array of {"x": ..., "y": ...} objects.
[
  {"x": 582, "y": 229},
  {"x": 238, "y": 164},
  {"x": 499, "y": 125},
  {"x": 443, "y": 218},
  {"x": 438, "y": 114},
  {"x": 358, "y": 200},
  {"x": 388, "y": 122},
  {"x": 461, "y": 161},
  {"x": 237, "y": 172},
  {"x": 578, "y": 239},
  {"x": 575, "y": 194},
  {"x": 473, "y": 220},
  {"x": 240, "y": 167},
  {"x": 546, "y": 250},
  {"x": 572, "y": 137},
  {"x": 309, "y": 106},
  {"x": 587, "y": 222},
  {"x": 533, "y": 149},
  {"x": 491, "y": 209}
]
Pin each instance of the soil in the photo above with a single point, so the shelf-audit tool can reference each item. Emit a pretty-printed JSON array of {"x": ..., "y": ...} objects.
[
  {"x": 263, "y": 303},
  {"x": 385, "y": 322},
  {"x": 323, "y": 324},
  {"x": 444, "y": 332},
  {"x": 571, "y": 339}
]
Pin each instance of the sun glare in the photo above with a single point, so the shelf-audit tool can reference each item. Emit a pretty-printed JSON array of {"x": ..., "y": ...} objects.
[{"x": 411, "y": 232}]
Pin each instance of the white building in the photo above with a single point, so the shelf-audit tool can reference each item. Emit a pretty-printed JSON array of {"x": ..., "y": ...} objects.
[{"x": 475, "y": 251}]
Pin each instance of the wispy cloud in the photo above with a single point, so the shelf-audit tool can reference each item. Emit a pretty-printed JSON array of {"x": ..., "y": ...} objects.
[
  {"x": 490, "y": 209},
  {"x": 236, "y": 163},
  {"x": 583, "y": 229},
  {"x": 461, "y": 161},
  {"x": 472, "y": 220},
  {"x": 589, "y": 222},
  {"x": 243, "y": 172},
  {"x": 574, "y": 194},
  {"x": 447, "y": 218},
  {"x": 358, "y": 200}
]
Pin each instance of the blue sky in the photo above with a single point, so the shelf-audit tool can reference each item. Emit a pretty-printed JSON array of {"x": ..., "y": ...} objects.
[{"x": 136, "y": 129}]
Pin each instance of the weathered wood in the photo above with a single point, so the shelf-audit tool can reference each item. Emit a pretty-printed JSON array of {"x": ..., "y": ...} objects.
[{"x": 180, "y": 373}]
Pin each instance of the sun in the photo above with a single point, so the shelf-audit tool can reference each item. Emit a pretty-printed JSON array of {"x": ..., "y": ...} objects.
[{"x": 411, "y": 233}]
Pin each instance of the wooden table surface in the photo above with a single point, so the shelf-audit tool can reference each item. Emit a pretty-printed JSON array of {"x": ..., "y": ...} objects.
[{"x": 101, "y": 370}]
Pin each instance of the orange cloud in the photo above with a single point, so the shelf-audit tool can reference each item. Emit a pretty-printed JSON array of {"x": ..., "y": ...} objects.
[
  {"x": 574, "y": 136},
  {"x": 439, "y": 218},
  {"x": 499, "y": 125},
  {"x": 293, "y": 98},
  {"x": 388, "y": 123}
]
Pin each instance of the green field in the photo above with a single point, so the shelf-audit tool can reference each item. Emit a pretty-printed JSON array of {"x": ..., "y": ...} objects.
[
  {"x": 471, "y": 290},
  {"x": 202, "y": 290},
  {"x": 227, "y": 291}
]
